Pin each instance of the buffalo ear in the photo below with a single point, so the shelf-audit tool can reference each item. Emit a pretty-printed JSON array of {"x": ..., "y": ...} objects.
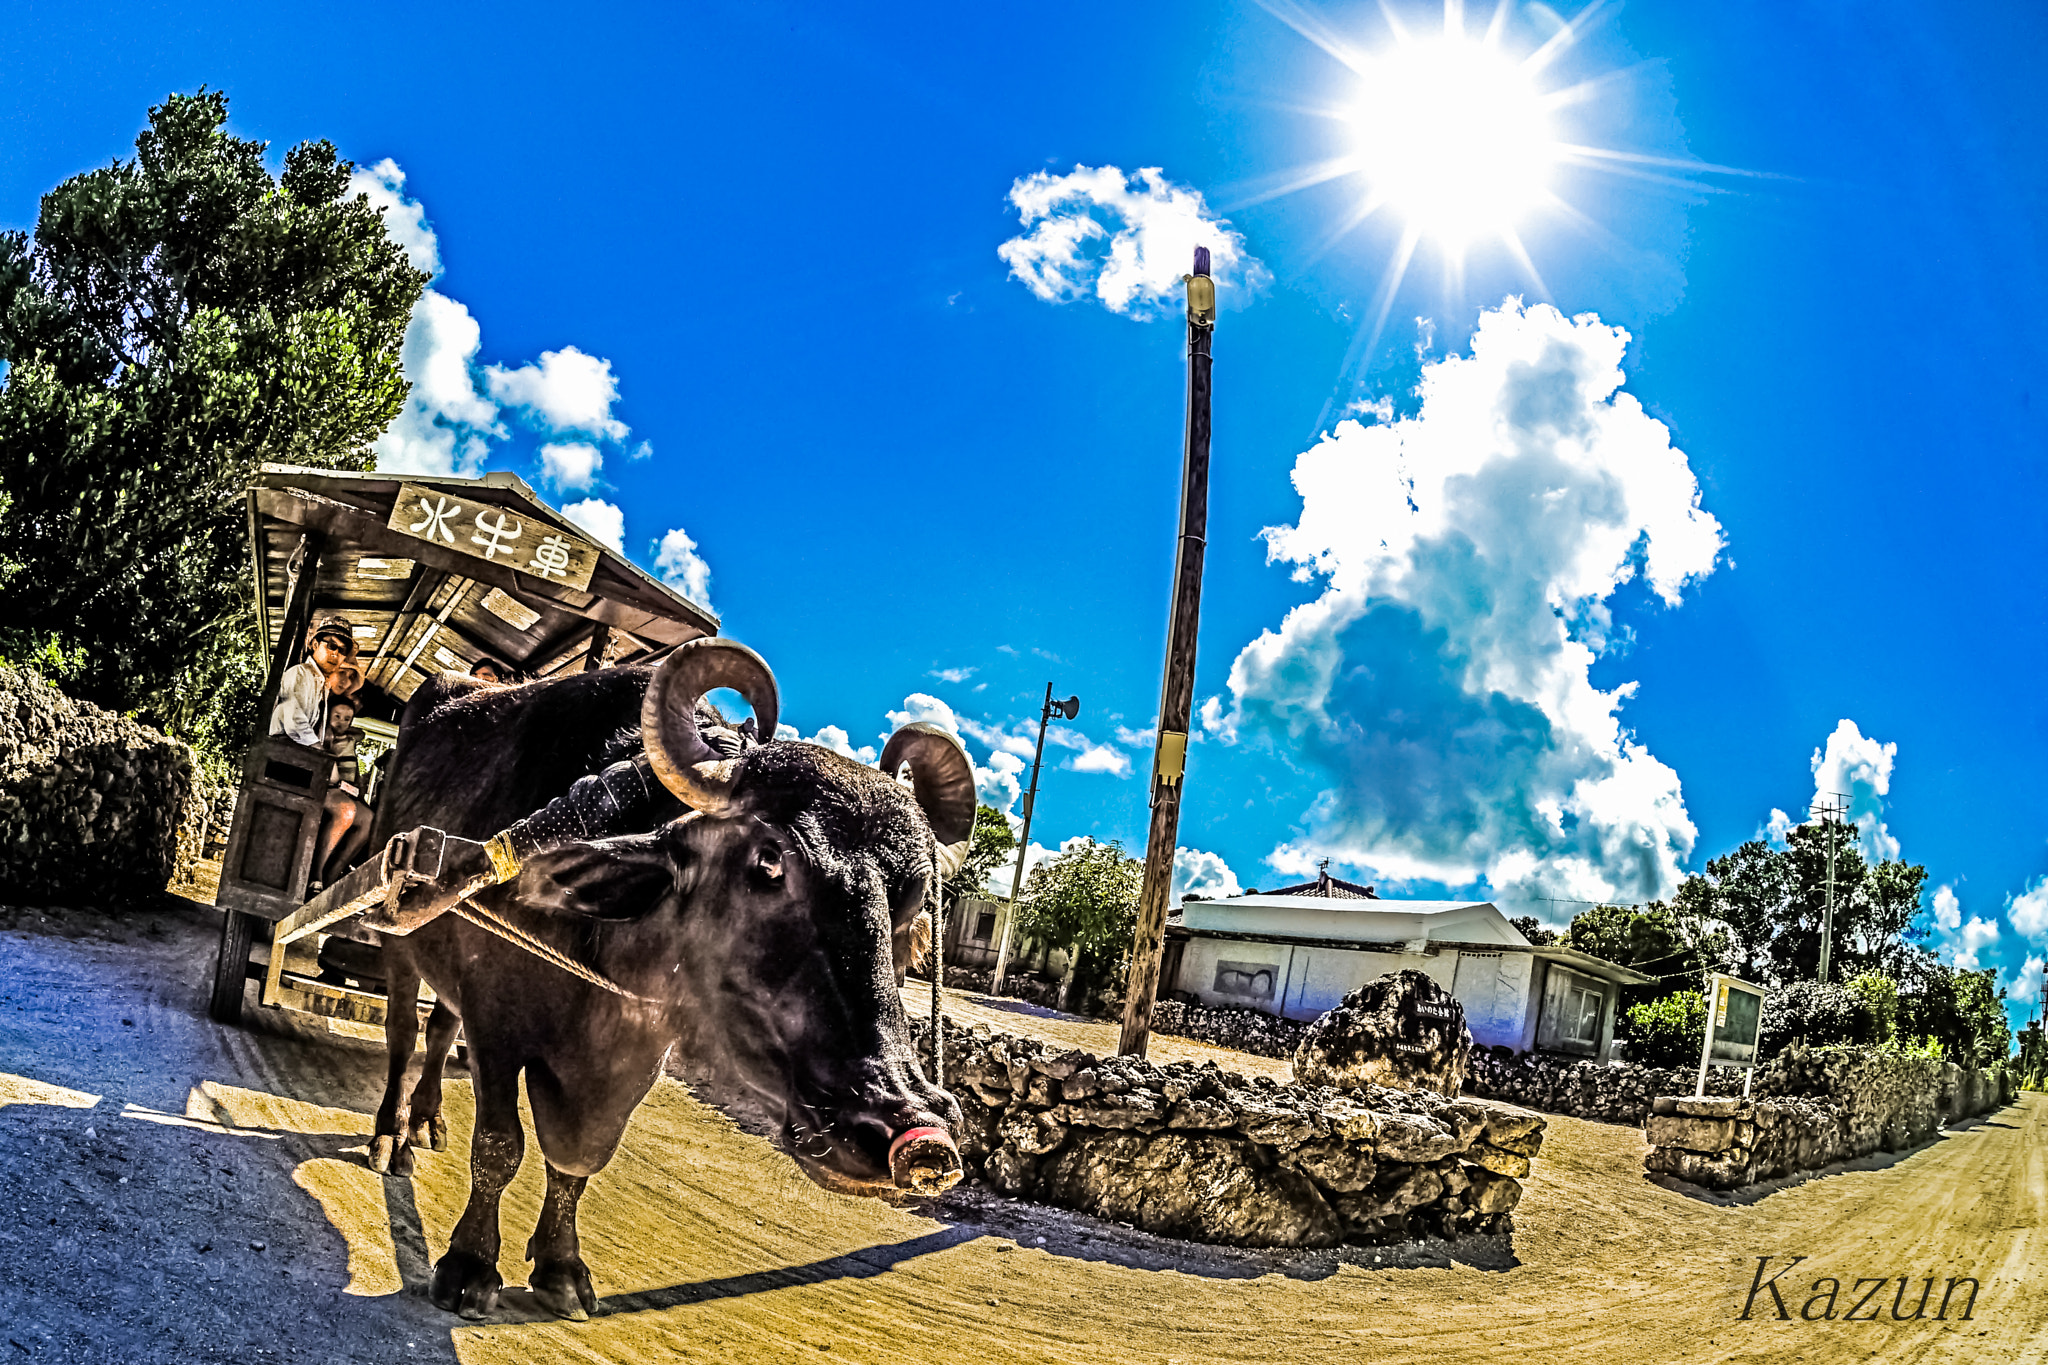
[{"x": 618, "y": 878}]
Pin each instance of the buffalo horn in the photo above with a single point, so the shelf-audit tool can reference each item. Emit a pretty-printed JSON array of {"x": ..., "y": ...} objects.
[
  {"x": 943, "y": 779},
  {"x": 686, "y": 765}
]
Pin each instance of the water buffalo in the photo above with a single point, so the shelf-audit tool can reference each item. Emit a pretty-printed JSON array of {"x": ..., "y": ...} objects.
[{"x": 755, "y": 932}]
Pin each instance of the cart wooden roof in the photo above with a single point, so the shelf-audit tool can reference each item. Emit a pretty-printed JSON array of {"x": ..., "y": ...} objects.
[{"x": 434, "y": 572}]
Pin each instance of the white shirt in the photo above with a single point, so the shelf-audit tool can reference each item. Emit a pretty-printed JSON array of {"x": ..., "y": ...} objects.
[{"x": 301, "y": 712}]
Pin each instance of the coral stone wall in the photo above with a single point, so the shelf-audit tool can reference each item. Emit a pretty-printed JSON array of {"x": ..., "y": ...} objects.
[
  {"x": 1609, "y": 1092},
  {"x": 1253, "y": 1031},
  {"x": 1203, "y": 1154},
  {"x": 90, "y": 803},
  {"x": 1814, "y": 1107}
]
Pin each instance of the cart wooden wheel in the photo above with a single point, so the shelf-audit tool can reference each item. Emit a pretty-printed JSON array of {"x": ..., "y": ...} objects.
[{"x": 231, "y": 967}]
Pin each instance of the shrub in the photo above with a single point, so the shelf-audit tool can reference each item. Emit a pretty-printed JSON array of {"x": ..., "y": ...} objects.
[
  {"x": 1880, "y": 997},
  {"x": 1820, "y": 1014},
  {"x": 1668, "y": 1032}
]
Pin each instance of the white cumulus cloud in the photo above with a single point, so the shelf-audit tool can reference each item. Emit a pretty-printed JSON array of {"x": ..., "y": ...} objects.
[
  {"x": 2027, "y": 911},
  {"x": 681, "y": 567},
  {"x": 1004, "y": 741},
  {"x": 604, "y": 520},
  {"x": 453, "y": 414},
  {"x": 1860, "y": 769},
  {"x": 1000, "y": 784},
  {"x": 1963, "y": 942},
  {"x": 405, "y": 219},
  {"x": 2026, "y": 988},
  {"x": 1202, "y": 874},
  {"x": 1100, "y": 758},
  {"x": 447, "y": 425},
  {"x": 1468, "y": 557},
  {"x": 570, "y": 465},
  {"x": 567, "y": 391},
  {"x": 1127, "y": 239}
]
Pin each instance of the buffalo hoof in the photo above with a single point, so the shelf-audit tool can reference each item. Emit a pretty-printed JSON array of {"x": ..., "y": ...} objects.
[
  {"x": 431, "y": 1134},
  {"x": 390, "y": 1155},
  {"x": 465, "y": 1284},
  {"x": 563, "y": 1288}
]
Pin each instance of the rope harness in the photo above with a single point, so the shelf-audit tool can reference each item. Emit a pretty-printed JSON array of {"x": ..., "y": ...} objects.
[{"x": 488, "y": 920}]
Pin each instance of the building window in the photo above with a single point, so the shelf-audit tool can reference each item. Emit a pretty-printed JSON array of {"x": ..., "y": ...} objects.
[
  {"x": 1581, "y": 1021},
  {"x": 1570, "y": 1018},
  {"x": 985, "y": 926}
]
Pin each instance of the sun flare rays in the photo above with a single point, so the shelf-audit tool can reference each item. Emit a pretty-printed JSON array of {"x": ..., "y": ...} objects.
[{"x": 1461, "y": 135}]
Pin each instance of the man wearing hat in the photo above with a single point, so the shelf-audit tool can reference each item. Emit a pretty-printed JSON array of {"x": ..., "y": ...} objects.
[{"x": 301, "y": 711}]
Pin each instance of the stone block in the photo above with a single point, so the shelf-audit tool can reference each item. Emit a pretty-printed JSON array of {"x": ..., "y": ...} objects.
[
  {"x": 1194, "y": 1113},
  {"x": 1499, "y": 1162},
  {"x": 1275, "y": 1125},
  {"x": 1693, "y": 1134},
  {"x": 1402, "y": 1188},
  {"x": 1712, "y": 1107},
  {"x": 1714, "y": 1172},
  {"x": 1334, "y": 1164},
  {"x": 1492, "y": 1193},
  {"x": 1032, "y": 1134},
  {"x": 1509, "y": 1128},
  {"x": 1413, "y": 1138},
  {"x": 1352, "y": 1121},
  {"x": 1134, "y": 1110},
  {"x": 1201, "y": 1186}
]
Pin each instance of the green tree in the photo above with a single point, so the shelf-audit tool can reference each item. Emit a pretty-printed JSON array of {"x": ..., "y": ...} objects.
[
  {"x": 175, "y": 321},
  {"x": 987, "y": 849},
  {"x": 1529, "y": 927},
  {"x": 1880, "y": 997},
  {"x": 1668, "y": 1032},
  {"x": 1085, "y": 899},
  {"x": 1767, "y": 906},
  {"x": 1964, "y": 1011},
  {"x": 1649, "y": 939}
]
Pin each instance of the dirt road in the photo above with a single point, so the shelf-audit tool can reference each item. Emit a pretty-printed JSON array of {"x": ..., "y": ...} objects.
[{"x": 175, "y": 1191}]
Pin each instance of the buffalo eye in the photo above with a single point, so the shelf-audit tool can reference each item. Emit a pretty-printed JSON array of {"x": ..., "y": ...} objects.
[
  {"x": 908, "y": 900},
  {"x": 764, "y": 870}
]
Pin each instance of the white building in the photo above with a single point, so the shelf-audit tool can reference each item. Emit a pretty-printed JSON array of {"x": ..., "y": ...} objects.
[{"x": 1297, "y": 951}]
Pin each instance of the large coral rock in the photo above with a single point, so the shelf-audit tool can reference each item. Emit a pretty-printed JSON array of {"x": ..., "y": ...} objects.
[
  {"x": 1195, "y": 1185},
  {"x": 1402, "y": 1031}
]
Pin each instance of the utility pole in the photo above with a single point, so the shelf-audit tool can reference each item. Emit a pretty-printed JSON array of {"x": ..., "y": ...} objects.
[
  {"x": 1830, "y": 808},
  {"x": 1069, "y": 708},
  {"x": 1177, "y": 690}
]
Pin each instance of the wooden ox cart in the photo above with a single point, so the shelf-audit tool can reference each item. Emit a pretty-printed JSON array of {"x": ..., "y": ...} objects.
[{"x": 432, "y": 573}]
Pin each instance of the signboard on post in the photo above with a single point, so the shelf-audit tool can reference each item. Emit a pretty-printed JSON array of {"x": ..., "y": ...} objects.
[
  {"x": 1734, "y": 1016},
  {"x": 500, "y": 535}
]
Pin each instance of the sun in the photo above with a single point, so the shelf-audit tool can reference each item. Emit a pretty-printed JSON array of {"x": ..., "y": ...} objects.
[
  {"x": 1460, "y": 132},
  {"x": 1454, "y": 136}
]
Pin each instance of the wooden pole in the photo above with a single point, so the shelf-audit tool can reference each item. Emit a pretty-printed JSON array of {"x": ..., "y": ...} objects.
[{"x": 1177, "y": 692}]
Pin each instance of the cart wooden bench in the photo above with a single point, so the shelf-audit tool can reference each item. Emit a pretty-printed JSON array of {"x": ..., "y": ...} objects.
[{"x": 432, "y": 573}]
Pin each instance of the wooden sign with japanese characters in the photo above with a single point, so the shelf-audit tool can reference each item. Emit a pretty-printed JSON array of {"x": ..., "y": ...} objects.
[{"x": 500, "y": 535}]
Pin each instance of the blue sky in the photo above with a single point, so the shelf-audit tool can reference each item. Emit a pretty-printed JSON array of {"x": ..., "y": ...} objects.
[{"x": 736, "y": 272}]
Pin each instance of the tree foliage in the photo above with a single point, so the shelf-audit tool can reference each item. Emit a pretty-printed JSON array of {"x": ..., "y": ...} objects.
[
  {"x": 1085, "y": 899},
  {"x": 1529, "y": 927},
  {"x": 1669, "y": 1031},
  {"x": 175, "y": 321},
  {"x": 1649, "y": 940},
  {"x": 1761, "y": 909},
  {"x": 988, "y": 848},
  {"x": 1962, "y": 1010}
]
